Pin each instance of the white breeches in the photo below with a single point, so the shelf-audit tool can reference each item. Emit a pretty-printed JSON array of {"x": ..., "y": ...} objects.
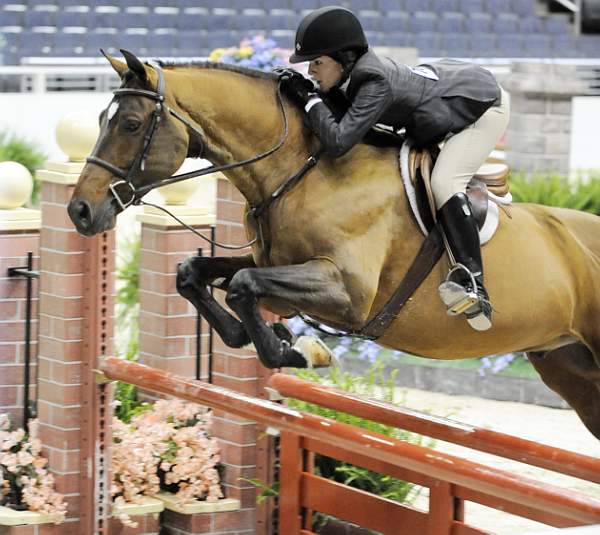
[{"x": 464, "y": 153}]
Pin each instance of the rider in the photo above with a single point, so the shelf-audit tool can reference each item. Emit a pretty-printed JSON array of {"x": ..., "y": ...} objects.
[{"x": 448, "y": 101}]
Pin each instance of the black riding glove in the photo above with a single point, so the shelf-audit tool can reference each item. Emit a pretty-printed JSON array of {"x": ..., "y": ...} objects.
[{"x": 298, "y": 88}]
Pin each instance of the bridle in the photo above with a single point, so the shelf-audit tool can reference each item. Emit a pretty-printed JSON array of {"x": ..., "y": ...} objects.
[{"x": 138, "y": 164}]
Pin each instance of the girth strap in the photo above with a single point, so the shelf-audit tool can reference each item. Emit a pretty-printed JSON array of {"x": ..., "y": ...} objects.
[{"x": 430, "y": 252}]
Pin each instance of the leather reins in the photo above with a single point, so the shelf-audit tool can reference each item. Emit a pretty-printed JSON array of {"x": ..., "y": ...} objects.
[
  {"x": 430, "y": 252},
  {"x": 138, "y": 164}
]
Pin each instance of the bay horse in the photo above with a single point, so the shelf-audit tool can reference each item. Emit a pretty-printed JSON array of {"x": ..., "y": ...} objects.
[{"x": 342, "y": 238}]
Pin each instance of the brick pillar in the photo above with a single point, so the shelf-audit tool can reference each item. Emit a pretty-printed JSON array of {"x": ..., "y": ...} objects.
[
  {"x": 167, "y": 320},
  {"x": 76, "y": 286},
  {"x": 19, "y": 235},
  {"x": 242, "y": 449},
  {"x": 539, "y": 132}
]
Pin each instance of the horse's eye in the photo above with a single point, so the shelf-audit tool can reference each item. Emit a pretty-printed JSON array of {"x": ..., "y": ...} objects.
[{"x": 131, "y": 125}]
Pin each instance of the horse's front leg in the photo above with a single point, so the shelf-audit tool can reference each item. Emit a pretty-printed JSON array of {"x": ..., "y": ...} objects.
[
  {"x": 196, "y": 274},
  {"x": 315, "y": 285}
]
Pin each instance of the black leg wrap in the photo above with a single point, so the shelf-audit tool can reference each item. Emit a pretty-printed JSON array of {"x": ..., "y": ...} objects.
[
  {"x": 192, "y": 286},
  {"x": 273, "y": 352}
]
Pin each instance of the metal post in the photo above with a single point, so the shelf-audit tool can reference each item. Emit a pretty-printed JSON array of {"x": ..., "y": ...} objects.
[
  {"x": 29, "y": 274},
  {"x": 27, "y": 344},
  {"x": 199, "y": 337},
  {"x": 210, "y": 330}
]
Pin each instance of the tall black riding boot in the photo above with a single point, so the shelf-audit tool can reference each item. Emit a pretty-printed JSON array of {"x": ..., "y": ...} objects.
[{"x": 460, "y": 227}]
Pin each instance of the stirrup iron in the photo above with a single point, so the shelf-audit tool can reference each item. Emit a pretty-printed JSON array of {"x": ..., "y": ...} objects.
[{"x": 456, "y": 297}]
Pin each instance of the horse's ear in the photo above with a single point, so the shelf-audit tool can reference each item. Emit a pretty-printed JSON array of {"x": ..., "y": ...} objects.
[
  {"x": 117, "y": 65},
  {"x": 135, "y": 65}
]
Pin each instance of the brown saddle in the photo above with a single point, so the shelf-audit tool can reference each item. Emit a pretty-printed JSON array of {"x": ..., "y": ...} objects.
[{"x": 492, "y": 177}]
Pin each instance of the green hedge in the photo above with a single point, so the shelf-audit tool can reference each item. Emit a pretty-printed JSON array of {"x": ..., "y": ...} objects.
[
  {"x": 17, "y": 149},
  {"x": 557, "y": 190}
]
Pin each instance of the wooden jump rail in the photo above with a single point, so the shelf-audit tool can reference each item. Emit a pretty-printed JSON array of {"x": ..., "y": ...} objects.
[
  {"x": 477, "y": 438},
  {"x": 451, "y": 480}
]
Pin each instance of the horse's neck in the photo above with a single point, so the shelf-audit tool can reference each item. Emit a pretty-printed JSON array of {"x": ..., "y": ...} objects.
[{"x": 241, "y": 119}]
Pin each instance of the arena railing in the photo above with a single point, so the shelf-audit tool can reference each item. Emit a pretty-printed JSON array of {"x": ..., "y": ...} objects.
[{"x": 40, "y": 75}]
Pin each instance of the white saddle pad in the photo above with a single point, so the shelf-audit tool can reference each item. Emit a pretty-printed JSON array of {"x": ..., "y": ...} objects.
[{"x": 493, "y": 216}]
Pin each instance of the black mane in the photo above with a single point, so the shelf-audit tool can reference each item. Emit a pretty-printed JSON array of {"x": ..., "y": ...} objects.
[{"x": 254, "y": 73}]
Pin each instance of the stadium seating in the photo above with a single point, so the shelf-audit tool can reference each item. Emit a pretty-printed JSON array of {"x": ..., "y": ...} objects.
[
  {"x": 510, "y": 45},
  {"x": 451, "y": 22},
  {"x": 478, "y": 23},
  {"x": 537, "y": 45},
  {"x": 395, "y": 21},
  {"x": 482, "y": 45},
  {"x": 455, "y": 28},
  {"x": 505, "y": 23},
  {"x": 67, "y": 44},
  {"x": 455, "y": 45}
]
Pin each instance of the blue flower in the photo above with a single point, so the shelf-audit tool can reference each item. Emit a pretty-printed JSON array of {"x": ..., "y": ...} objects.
[{"x": 265, "y": 54}]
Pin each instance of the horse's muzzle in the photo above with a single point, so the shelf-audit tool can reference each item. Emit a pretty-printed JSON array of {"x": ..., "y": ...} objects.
[{"x": 86, "y": 222}]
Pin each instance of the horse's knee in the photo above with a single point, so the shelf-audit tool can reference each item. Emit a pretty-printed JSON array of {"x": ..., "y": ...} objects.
[
  {"x": 194, "y": 269},
  {"x": 242, "y": 288},
  {"x": 185, "y": 274}
]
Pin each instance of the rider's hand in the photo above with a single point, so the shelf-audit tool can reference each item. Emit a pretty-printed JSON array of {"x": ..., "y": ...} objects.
[{"x": 298, "y": 88}]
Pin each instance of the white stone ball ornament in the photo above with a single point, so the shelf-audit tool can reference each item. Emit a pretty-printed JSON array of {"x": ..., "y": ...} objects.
[
  {"x": 179, "y": 193},
  {"x": 16, "y": 185},
  {"x": 76, "y": 134}
]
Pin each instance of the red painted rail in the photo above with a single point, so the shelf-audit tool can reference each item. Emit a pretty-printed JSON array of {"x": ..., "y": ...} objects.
[
  {"x": 510, "y": 447},
  {"x": 447, "y": 476}
]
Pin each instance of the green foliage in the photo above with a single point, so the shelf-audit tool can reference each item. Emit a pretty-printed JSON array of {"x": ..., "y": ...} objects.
[
  {"x": 267, "y": 491},
  {"x": 128, "y": 279},
  {"x": 557, "y": 190},
  {"x": 375, "y": 385},
  {"x": 127, "y": 312},
  {"x": 18, "y": 149}
]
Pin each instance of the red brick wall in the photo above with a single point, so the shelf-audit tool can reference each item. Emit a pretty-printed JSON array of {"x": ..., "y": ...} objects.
[
  {"x": 167, "y": 320},
  {"x": 237, "y": 369},
  {"x": 14, "y": 246},
  {"x": 63, "y": 349}
]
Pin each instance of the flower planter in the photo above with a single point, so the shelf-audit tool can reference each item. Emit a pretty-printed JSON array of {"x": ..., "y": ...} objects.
[
  {"x": 146, "y": 506},
  {"x": 10, "y": 517},
  {"x": 220, "y": 506},
  {"x": 144, "y": 514}
]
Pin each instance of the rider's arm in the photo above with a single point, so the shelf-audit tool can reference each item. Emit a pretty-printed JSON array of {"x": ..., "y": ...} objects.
[{"x": 372, "y": 98}]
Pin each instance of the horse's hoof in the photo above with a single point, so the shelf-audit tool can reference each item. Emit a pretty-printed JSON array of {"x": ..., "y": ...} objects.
[{"x": 316, "y": 353}]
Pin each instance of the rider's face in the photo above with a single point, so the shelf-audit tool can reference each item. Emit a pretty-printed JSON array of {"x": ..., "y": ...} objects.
[{"x": 326, "y": 72}]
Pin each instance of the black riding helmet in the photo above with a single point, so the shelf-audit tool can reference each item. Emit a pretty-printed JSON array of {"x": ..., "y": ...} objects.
[{"x": 328, "y": 30}]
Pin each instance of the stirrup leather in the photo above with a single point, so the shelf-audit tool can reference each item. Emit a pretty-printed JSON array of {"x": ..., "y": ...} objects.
[{"x": 456, "y": 297}]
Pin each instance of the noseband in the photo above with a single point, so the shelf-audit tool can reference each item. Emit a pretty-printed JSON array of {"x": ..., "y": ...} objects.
[{"x": 138, "y": 165}]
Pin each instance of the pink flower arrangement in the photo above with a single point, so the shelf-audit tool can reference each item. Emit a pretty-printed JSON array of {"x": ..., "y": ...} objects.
[
  {"x": 25, "y": 483},
  {"x": 168, "y": 447}
]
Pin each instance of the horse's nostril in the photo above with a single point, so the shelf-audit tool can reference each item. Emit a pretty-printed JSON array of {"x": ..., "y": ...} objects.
[{"x": 81, "y": 213}]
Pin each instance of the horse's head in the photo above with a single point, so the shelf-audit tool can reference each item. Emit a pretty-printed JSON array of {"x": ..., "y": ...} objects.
[{"x": 139, "y": 143}]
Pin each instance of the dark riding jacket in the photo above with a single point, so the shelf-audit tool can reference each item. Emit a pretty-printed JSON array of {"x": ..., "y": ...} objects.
[{"x": 383, "y": 92}]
